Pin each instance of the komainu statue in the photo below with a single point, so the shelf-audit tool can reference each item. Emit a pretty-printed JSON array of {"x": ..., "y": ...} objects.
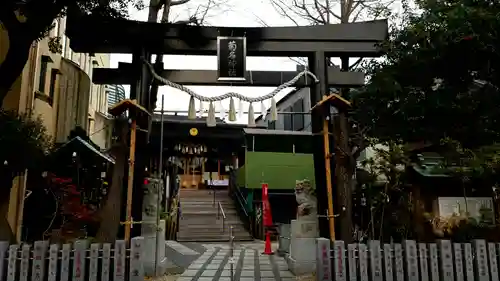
[{"x": 304, "y": 194}]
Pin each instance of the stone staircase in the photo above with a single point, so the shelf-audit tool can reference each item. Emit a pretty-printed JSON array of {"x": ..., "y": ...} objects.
[{"x": 199, "y": 221}]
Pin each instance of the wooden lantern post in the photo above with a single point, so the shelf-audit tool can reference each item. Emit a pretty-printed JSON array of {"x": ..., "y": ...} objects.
[
  {"x": 324, "y": 106},
  {"x": 134, "y": 110}
]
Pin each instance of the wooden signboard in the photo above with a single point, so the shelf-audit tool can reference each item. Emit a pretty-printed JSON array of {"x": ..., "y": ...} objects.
[{"x": 231, "y": 58}]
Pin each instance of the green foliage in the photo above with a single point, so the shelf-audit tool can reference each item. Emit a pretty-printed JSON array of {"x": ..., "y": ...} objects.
[
  {"x": 482, "y": 163},
  {"x": 383, "y": 200},
  {"x": 26, "y": 22},
  {"x": 439, "y": 78},
  {"x": 23, "y": 142},
  {"x": 36, "y": 23},
  {"x": 55, "y": 45}
]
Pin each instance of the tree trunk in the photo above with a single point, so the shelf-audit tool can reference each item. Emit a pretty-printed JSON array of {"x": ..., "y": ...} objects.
[
  {"x": 111, "y": 211},
  {"x": 13, "y": 64}
]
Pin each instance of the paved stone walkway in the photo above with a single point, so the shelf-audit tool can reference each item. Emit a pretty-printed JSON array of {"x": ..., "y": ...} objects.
[{"x": 248, "y": 265}]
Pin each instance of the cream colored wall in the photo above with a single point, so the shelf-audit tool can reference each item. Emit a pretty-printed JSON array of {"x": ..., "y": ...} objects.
[
  {"x": 102, "y": 130},
  {"x": 98, "y": 106}
]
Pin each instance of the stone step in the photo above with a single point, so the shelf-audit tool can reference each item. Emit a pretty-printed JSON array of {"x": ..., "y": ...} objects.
[
  {"x": 208, "y": 210},
  {"x": 207, "y": 202},
  {"x": 207, "y": 224},
  {"x": 199, "y": 217},
  {"x": 211, "y": 211},
  {"x": 219, "y": 230},
  {"x": 215, "y": 237},
  {"x": 203, "y": 193},
  {"x": 228, "y": 205}
]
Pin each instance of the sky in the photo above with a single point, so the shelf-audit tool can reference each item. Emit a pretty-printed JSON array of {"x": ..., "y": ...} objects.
[{"x": 238, "y": 13}]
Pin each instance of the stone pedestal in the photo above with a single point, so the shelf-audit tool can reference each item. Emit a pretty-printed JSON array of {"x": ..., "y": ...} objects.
[
  {"x": 149, "y": 229},
  {"x": 302, "y": 257},
  {"x": 284, "y": 239}
]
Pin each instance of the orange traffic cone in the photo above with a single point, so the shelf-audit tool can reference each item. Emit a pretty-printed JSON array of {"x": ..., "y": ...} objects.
[{"x": 267, "y": 248}]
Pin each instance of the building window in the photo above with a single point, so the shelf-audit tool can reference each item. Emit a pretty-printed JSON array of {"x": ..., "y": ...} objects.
[
  {"x": 57, "y": 27},
  {"x": 287, "y": 120},
  {"x": 90, "y": 130},
  {"x": 43, "y": 73},
  {"x": 298, "y": 117},
  {"x": 53, "y": 78},
  {"x": 271, "y": 125},
  {"x": 64, "y": 51}
]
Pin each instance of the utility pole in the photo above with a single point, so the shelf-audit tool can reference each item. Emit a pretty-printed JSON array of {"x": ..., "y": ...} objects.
[{"x": 158, "y": 188}]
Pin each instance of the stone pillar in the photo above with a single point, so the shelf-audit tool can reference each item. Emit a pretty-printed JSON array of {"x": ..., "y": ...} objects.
[
  {"x": 150, "y": 229},
  {"x": 302, "y": 257}
]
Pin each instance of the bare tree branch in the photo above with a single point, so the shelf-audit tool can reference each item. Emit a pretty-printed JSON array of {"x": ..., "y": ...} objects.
[
  {"x": 178, "y": 2},
  {"x": 317, "y": 12},
  {"x": 356, "y": 63}
]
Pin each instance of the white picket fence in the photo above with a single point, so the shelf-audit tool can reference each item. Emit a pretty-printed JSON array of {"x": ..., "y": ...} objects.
[
  {"x": 408, "y": 261},
  {"x": 77, "y": 262}
]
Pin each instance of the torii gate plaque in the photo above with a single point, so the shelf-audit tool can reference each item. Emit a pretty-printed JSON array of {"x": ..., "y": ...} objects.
[{"x": 231, "y": 58}]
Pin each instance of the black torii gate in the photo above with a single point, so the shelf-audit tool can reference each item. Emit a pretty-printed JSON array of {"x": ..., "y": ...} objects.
[{"x": 317, "y": 43}]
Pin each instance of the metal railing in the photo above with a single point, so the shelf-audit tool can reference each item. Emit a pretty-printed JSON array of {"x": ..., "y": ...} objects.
[
  {"x": 213, "y": 202},
  {"x": 231, "y": 252},
  {"x": 220, "y": 211}
]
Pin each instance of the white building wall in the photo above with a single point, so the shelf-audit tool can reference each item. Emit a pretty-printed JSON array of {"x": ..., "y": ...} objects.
[{"x": 285, "y": 104}]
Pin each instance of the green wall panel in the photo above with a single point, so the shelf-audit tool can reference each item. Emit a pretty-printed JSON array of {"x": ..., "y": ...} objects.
[{"x": 279, "y": 170}]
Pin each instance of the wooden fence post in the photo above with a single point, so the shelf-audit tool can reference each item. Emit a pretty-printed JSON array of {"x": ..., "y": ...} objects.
[
  {"x": 65, "y": 256},
  {"x": 481, "y": 264},
  {"x": 363, "y": 261},
  {"x": 106, "y": 261},
  {"x": 469, "y": 262},
  {"x": 388, "y": 264},
  {"x": 24, "y": 265},
  {"x": 492, "y": 257},
  {"x": 339, "y": 260},
  {"x": 423, "y": 257},
  {"x": 459, "y": 262},
  {"x": 53, "y": 259},
  {"x": 375, "y": 261},
  {"x": 434, "y": 263},
  {"x": 351, "y": 262},
  {"x": 119, "y": 264},
  {"x": 94, "y": 261},
  {"x": 323, "y": 262},
  {"x": 136, "y": 259},
  {"x": 12, "y": 263},
  {"x": 398, "y": 262},
  {"x": 79, "y": 260},
  {"x": 447, "y": 273}
]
